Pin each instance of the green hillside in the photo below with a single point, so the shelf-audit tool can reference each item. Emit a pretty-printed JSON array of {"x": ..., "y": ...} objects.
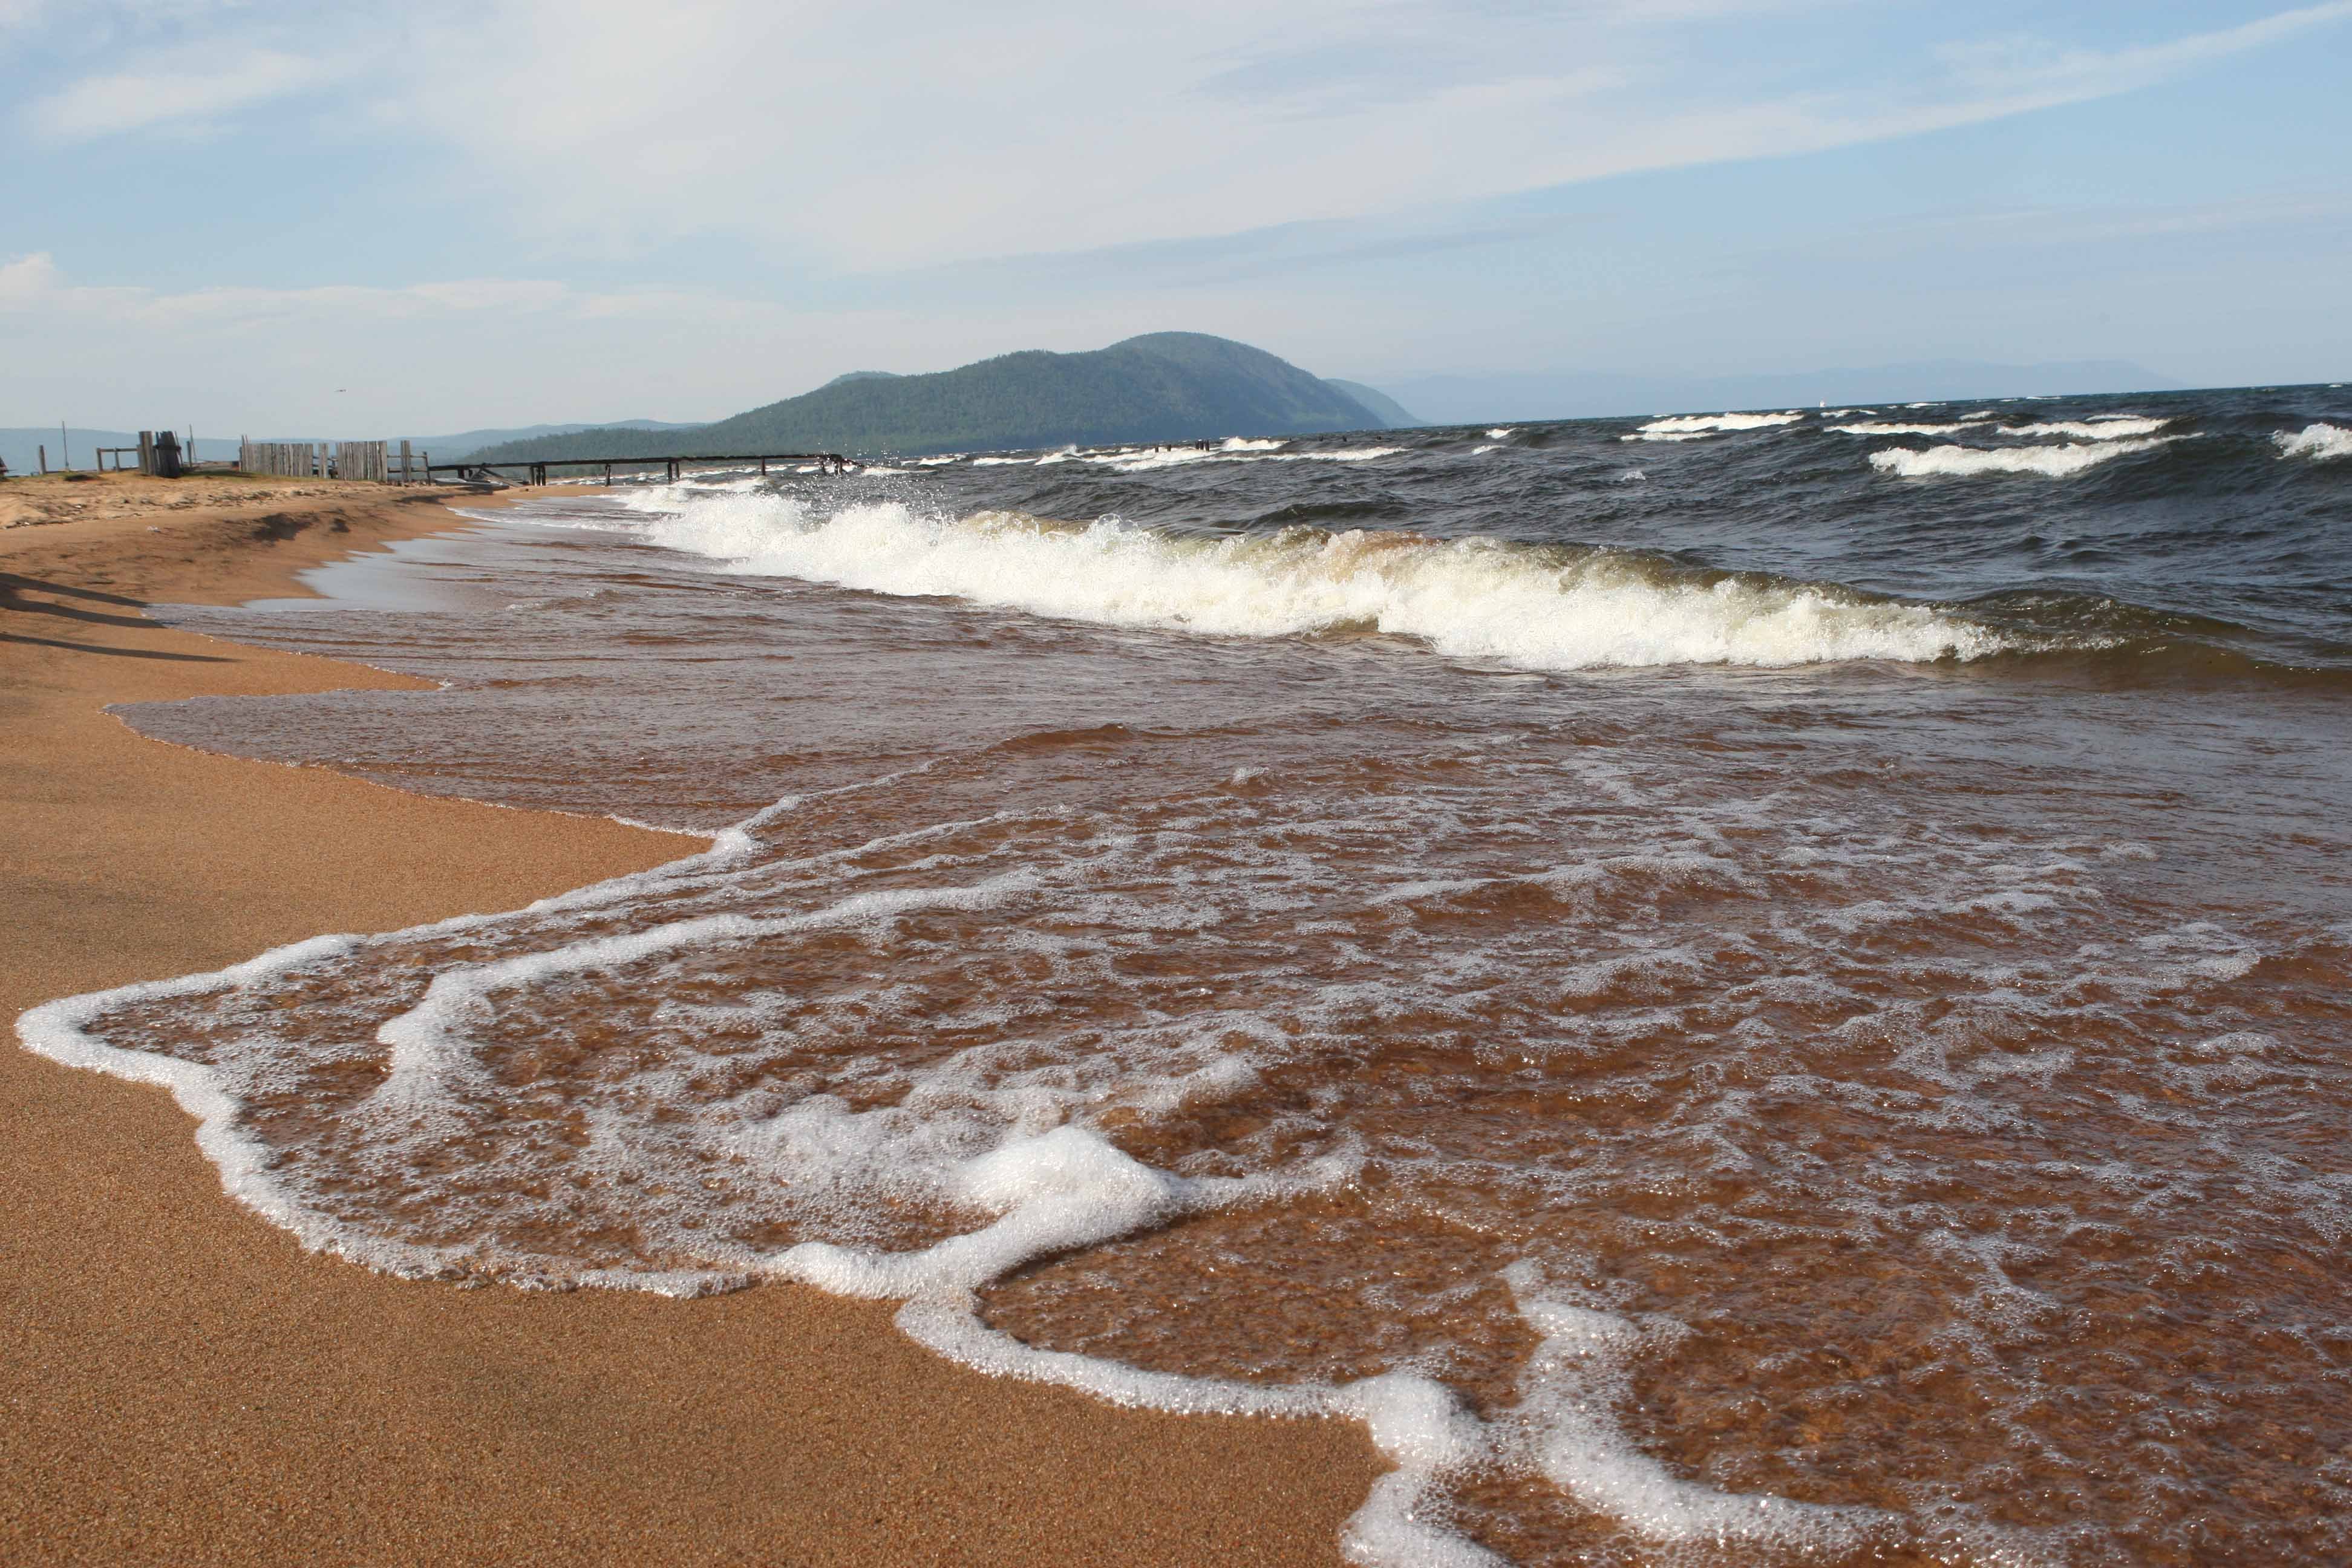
[{"x": 1166, "y": 386}]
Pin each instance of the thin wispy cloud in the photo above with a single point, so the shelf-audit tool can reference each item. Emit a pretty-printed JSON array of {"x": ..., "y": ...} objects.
[
  {"x": 2002, "y": 68},
  {"x": 175, "y": 89},
  {"x": 35, "y": 283},
  {"x": 994, "y": 131},
  {"x": 986, "y": 132}
]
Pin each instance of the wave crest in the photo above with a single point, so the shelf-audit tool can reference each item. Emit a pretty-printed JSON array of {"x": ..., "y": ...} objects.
[
  {"x": 2051, "y": 462},
  {"x": 2103, "y": 428},
  {"x": 1533, "y": 607},
  {"x": 1691, "y": 427},
  {"x": 1895, "y": 429},
  {"x": 2320, "y": 442}
]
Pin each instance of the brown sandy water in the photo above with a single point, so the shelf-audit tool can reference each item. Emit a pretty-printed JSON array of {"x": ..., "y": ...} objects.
[{"x": 1883, "y": 1109}]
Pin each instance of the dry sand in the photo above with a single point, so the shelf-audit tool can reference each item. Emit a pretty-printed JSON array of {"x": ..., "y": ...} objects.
[{"x": 180, "y": 1383}]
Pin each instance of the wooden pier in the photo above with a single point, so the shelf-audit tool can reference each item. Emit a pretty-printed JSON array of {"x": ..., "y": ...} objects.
[{"x": 826, "y": 462}]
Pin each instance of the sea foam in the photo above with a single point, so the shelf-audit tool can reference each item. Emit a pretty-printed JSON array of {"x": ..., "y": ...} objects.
[
  {"x": 1008, "y": 1147},
  {"x": 2323, "y": 443},
  {"x": 1480, "y": 599},
  {"x": 2051, "y": 462},
  {"x": 2102, "y": 428},
  {"x": 1691, "y": 427},
  {"x": 1892, "y": 428},
  {"x": 1234, "y": 450}
]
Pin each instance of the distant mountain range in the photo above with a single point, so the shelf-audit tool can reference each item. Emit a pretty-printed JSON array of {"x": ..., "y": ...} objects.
[
  {"x": 1165, "y": 387},
  {"x": 1482, "y": 399}
]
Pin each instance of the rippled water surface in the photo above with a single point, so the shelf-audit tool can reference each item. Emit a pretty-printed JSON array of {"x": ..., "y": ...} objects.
[{"x": 1768, "y": 987}]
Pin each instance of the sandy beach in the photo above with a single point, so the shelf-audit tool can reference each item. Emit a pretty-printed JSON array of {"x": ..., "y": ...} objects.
[{"x": 182, "y": 1384}]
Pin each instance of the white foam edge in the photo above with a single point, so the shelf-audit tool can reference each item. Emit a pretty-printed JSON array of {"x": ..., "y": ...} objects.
[
  {"x": 1069, "y": 1189},
  {"x": 58, "y": 1031},
  {"x": 1063, "y": 1190},
  {"x": 428, "y": 1052},
  {"x": 1568, "y": 1434},
  {"x": 1414, "y": 1422}
]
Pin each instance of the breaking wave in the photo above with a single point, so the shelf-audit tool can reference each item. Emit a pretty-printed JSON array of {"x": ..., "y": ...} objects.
[
  {"x": 2053, "y": 462},
  {"x": 1691, "y": 427},
  {"x": 1534, "y": 608},
  {"x": 1238, "y": 450},
  {"x": 1895, "y": 429},
  {"x": 2100, "y": 427},
  {"x": 2321, "y": 442}
]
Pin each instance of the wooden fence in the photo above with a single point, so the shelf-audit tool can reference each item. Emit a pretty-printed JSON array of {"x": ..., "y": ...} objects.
[
  {"x": 285, "y": 459},
  {"x": 361, "y": 460},
  {"x": 371, "y": 462}
]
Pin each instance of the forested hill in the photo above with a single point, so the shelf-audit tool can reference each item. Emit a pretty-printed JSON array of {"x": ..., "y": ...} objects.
[{"x": 1166, "y": 387}]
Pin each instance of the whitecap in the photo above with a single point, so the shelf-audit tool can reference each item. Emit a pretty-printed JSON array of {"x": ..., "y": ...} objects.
[
  {"x": 1689, "y": 426},
  {"x": 1891, "y": 428},
  {"x": 2320, "y": 442},
  {"x": 2100, "y": 427},
  {"x": 1137, "y": 461},
  {"x": 2051, "y": 462}
]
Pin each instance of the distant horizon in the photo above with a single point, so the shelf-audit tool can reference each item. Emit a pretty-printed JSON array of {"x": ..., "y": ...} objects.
[
  {"x": 1388, "y": 387},
  {"x": 13, "y": 437}
]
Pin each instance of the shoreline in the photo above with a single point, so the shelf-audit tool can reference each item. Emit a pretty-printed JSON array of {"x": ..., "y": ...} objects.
[{"x": 187, "y": 1384}]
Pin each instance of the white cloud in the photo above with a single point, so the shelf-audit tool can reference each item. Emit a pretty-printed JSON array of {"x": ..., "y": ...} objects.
[
  {"x": 914, "y": 133},
  {"x": 26, "y": 279},
  {"x": 1998, "y": 68},
  {"x": 907, "y": 133},
  {"x": 188, "y": 88}
]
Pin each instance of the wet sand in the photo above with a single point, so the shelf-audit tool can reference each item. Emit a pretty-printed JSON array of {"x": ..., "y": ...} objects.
[{"x": 182, "y": 1384}]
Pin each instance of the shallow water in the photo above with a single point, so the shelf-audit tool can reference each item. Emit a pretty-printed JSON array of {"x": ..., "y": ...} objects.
[{"x": 1782, "y": 1009}]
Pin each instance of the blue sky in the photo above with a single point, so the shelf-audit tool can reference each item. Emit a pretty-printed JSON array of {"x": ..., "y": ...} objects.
[{"x": 269, "y": 216}]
